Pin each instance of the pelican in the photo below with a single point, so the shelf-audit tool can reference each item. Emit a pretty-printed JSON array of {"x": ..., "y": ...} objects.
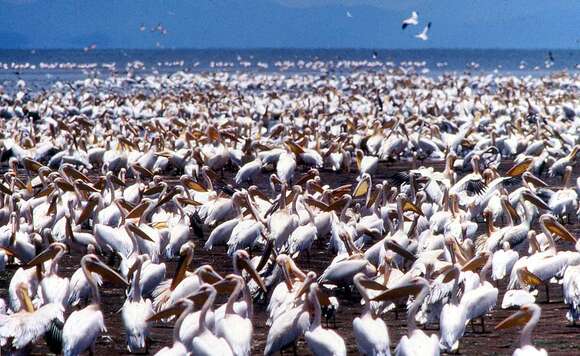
[
  {"x": 136, "y": 311},
  {"x": 237, "y": 329},
  {"x": 528, "y": 315},
  {"x": 322, "y": 341},
  {"x": 370, "y": 331},
  {"x": 204, "y": 341},
  {"x": 416, "y": 342},
  {"x": 24, "y": 327},
  {"x": 55, "y": 289},
  {"x": 185, "y": 307},
  {"x": 83, "y": 326}
]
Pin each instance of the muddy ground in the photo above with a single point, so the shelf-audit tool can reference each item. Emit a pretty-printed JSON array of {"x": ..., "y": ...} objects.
[{"x": 553, "y": 332}]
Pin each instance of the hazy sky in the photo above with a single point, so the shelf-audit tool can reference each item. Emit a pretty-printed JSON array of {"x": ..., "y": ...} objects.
[{"x": 289, "y": 23}]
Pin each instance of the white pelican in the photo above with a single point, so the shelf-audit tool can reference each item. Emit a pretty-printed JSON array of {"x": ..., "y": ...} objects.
[
  {"x": 321, "y": 341},
  {"x": 25, "y": 326},
  {"x": 365, "y": 164},
  {"x": 370, "y": 331},
  {"x": 54, "y": 289},
  {"x": 528, "y": 315},
  {"x": 185, "y": 307},
  {"x": 136, "y": 311},
  {"x": 204, "y": 341},
  {"x": 287, "y": 328},
  {"x": 453, "y": 316},
  {"x": 416, "y": 342},
  {"x": 237, "y": 329},
  {"x": 83, "y": 326},
  {"x": 483, "y": 298}
]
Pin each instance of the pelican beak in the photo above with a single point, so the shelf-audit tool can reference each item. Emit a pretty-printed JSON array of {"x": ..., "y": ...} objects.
[
  {"x": 323, "y": 298},
  {"x": 153, "y": 190},
  {"x": 266, "y": 254},
  {"x": 247, "y": 266},
  {"x": 5, "y": 190},
  {"x": 225, "y": 286},
  {"x": 64, "y": 185},
  {"x": 476, "y": 262},
  {"x": 372, "y": 199},
  {"x": 186, "y": 201},
  {"x": 115, "y": 180},
  {"x": 261, "y": 195},
  {"x": 370, "y": 284},
  {"x": 399, "y": 292},
  {"x": 143, "y": 171},
  {"x": 297, "y": 150},
  {"x": 167, "y": 197},
  {"x": 23, "y": 290},
  {"x": 52, "y": 207},
  {"x": 174, "y": 310},
  {"x": 520, "y": 168},
  {"x": 137, "y": 231},
  {"x": 443, "y": 270},
  {"x": 87, "y": 211},
  {"x": 82, "y": 186},
  {"x": 199, "y": 297},
  {"x": 396, "y": 247},
  {"x": 213, "y": 133},
  {"x": 184, "y": 260},
  {"x": 451, "y": 275},
  {"x": 209, "y": 275},
  {"x": 31, "y": 165},
  {"x": 534, "y": 199},
  {"x": 510, "y": 209},
  {"x": 362, "y": 187},
  {"x": 75, "y": 174},
  {"x": 138, "y": 211},
  {"x": 190, "y": 184},
  {"x": 49, "y": 253},
  {"x": 519, "y": 318},
  {"x": 528, "y": 277},
  {"x": 410, "y": 206},
  {"x": 557, "y": 229},
  {"x": 535, "y": 180},
  {"x": 108, "y": 273}
]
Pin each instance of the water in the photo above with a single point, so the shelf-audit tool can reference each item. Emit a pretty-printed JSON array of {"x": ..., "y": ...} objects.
[{"x": 46, "y": 66}]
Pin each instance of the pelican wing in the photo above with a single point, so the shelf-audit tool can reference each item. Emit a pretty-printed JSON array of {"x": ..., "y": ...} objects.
[{"x": 24, "y": 328}]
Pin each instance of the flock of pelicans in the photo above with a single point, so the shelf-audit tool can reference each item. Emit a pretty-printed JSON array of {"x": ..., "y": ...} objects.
[{"x": 125, "y": 181}]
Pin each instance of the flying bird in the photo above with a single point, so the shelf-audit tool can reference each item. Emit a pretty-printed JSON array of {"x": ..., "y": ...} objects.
[
  {"x": 142, "y": 28},
  {"x": 424, "y": 34},
  {"x": 348, "y": 14},
  {"x": 413, "y": 20}
]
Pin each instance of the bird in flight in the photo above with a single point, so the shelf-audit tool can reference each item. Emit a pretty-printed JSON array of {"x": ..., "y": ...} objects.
[
  {"x": 348, "y": 14},
  {"x": 424, "y": 34},
  {"x": 142, "y": 28},
  {"x": 411, "y": 21}
]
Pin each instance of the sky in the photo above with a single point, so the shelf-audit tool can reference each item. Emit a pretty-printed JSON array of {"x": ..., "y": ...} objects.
[{"x": 288, "y": 23}]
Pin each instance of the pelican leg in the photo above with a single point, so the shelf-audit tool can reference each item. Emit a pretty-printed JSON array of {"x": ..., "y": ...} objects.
[
  {"x": 547, "y": 292},
  {"x": 294, "y": 349},
  {"x": 483, "y": 324}
]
